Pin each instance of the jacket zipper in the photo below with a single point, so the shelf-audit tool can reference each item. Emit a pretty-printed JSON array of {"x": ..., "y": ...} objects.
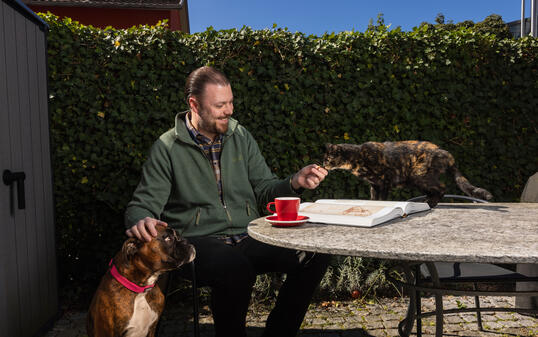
[
  {"x": 211, "y": 167},
  {"x": 227, "y": 213},
  {"x": 197, "y": 221},
  {"x": 222, "y": 182}
]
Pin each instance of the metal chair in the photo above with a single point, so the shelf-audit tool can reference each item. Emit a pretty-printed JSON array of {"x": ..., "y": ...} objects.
[
  {"x": 444, "y": 278},
  {"x": 195, "y": 305}
]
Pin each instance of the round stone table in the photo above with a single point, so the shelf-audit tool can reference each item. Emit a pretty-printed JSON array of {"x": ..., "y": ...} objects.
[{"x": 482, "y": 233}]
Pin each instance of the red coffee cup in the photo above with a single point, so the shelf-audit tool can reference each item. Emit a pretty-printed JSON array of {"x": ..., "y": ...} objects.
[{"x": 286, "y": 208}]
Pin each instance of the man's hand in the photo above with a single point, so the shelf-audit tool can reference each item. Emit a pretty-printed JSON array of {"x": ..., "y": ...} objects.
[
  {"x": 309, "y": 177},
  {"x": 145, "y": 229}
]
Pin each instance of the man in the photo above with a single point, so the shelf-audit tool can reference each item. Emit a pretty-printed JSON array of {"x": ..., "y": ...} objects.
[{"x": 206, "y": 177}]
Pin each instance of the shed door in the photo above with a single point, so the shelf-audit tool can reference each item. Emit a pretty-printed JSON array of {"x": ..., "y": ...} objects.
[{"x": 28, "y": 275}]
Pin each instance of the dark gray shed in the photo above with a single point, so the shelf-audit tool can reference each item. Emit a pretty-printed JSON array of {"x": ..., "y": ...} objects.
[{"x": 28, "y": 274}]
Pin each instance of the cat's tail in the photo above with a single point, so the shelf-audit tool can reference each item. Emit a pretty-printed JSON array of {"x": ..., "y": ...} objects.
[{"x": 467, "y": 188}]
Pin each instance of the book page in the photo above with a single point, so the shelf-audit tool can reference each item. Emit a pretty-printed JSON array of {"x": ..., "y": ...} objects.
[
  {"x": 407, "y": 206},
  {"x": 342, "y": 209}
]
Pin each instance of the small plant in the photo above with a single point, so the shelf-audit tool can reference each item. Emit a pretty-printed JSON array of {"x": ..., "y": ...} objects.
[
  {"x": 461, "y": 305},
  {"x": 267, "y": 285},
  {"x": 356, "y": 277}
]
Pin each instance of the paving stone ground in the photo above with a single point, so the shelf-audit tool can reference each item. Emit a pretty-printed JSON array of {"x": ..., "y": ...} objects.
[{"x": 338, "y": 319}]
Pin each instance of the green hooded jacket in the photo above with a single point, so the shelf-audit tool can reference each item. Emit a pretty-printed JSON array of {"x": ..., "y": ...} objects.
[{"x": 178, "y": 185}]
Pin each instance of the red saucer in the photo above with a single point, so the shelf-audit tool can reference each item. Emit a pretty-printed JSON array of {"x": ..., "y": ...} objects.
[{"x": 273, "y": 219}]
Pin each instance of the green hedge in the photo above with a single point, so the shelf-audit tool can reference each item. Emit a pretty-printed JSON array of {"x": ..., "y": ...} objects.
[{"x": 112, "y": 92}]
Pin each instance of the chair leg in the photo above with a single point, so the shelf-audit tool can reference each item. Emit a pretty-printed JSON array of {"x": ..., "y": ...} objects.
[
  {"x": 438, "y": 299},
  {"x": 477, "y": 306},
  {"x": 418, "y": 302},
  {"x": 418, "y": 306},
  {"x": 438, "y": 315},
  {"x": 195, "y": 313}
]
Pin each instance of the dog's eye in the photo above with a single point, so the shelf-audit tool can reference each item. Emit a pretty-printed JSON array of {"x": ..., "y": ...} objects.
[{"x": 167, "y": 238}]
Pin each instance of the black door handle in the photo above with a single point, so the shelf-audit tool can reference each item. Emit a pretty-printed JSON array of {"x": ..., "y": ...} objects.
[{"x": 11, "y": 177}]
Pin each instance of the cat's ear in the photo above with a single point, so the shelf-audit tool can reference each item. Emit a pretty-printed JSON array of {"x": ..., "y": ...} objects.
[{"x": 328, "y": 146}]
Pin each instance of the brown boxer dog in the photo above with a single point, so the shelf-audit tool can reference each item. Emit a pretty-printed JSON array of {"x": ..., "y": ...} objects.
[{"x": 128, "y": 302}]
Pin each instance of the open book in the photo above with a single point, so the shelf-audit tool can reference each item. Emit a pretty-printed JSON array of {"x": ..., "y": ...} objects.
[{"x": 363, "y": 213}]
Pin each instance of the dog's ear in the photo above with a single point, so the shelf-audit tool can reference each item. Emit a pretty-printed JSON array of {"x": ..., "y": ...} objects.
[{"x": 130, "y": 247}]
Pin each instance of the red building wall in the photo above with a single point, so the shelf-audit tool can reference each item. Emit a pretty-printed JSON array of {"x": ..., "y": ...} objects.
[{"x": 115, "y": 17}]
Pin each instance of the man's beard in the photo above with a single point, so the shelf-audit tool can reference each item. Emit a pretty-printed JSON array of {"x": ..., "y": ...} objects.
[{"x": 210, "y": 124}]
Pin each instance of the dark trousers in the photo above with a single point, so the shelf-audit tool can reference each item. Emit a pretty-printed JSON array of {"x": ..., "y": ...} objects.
[{"x": 230, "y": 271}]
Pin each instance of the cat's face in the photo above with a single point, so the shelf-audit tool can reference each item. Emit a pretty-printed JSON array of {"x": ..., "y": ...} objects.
[{"x": 333, "y": 157}]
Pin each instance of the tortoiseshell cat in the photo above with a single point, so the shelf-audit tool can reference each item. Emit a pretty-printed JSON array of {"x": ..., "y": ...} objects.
[{"x": 394, "y": 164}]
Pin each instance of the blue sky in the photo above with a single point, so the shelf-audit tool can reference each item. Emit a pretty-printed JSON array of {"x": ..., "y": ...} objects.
[{"x": 317, "y": 16}]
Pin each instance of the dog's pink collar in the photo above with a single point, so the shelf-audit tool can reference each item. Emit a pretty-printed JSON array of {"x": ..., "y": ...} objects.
[{"x": 125, "y": 282}]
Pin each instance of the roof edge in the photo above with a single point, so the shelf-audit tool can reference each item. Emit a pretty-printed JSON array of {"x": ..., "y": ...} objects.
[
  {"x": 179, "y": 5},
  {"x": 20, "y": 7}
]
